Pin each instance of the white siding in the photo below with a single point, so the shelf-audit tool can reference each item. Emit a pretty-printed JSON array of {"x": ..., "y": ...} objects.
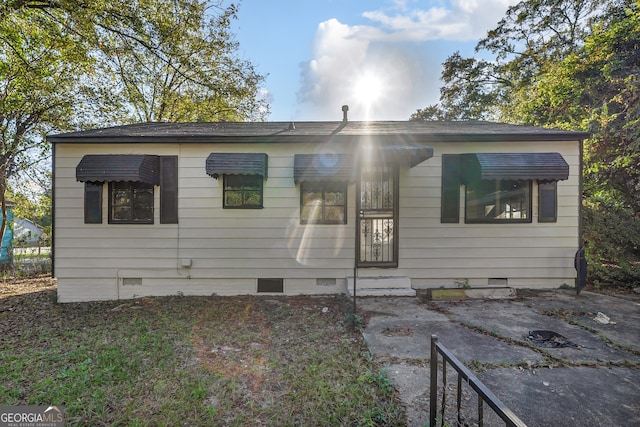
[
  {"x": 229, "y": 249},
  {"x": 528, "y": 255}
]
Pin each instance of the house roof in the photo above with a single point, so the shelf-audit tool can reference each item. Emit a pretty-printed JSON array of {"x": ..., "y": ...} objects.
[{"x": 261, "y": 132}]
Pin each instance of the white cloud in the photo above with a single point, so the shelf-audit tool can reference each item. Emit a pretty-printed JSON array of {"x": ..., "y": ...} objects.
[
  {"x": 462, "y": 20},
  {"x": 392, "y": 50},
  {"x": 343, "y": 55}
]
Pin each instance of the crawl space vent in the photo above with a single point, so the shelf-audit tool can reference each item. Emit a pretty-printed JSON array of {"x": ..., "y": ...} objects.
[
  {"x": 325, "y": 282},
  {"x": 271, "y": 285}
]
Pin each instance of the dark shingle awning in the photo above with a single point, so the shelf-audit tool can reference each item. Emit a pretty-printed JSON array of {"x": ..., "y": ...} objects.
[
  {"x": 219, "y": 164},
  {"x": 119, "y": 167},
  {"x": 323, "y": 167},
  {"x": 517, "y": 166},
  {"x": 405, "y": 154}
]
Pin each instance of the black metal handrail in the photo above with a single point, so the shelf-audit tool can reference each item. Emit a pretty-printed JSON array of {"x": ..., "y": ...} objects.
[{"x": 484, "y": 394}]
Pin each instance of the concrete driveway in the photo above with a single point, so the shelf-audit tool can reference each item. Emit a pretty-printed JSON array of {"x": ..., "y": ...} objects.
[{"x": 594, "y": 383}]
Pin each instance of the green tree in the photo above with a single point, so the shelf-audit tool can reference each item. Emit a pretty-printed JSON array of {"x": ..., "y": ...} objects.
[
  {"x": 39, "y": 78},
  {"x": 596, "y": 88},
  {"x": 604, "y": 77},
  {"x": 66, "y": 64},
  {"x": 533, "y": 35},
  {"x": 30, "y": 191},
  {"x": 429, "y": 113},
  {"x": 570, "y": 64},
  {"x": 195, "y": 76}
]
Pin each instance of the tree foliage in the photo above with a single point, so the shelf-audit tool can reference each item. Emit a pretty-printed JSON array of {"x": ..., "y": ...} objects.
[
  {"x": 429, "y": 113},
  {"x": 195, "y": 76},
  {"x": 155, "y": 60},
  {"x": 570, "y": 64},
  {"x": 66, "y": 64},
  {"x": 532, "y": 36},
  {"x": 39, "y": 69},
  {"x": 596, "y": 88},
  {"x": 609, "y": 68}
]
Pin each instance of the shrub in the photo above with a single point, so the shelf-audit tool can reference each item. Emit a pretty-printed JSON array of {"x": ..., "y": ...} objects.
[{"x": 612, "y": 245}]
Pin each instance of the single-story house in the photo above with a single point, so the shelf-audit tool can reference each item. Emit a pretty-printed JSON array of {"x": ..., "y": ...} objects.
[
  {"x": 303, "y": 208},
  {"x": 26, "y": 232}
]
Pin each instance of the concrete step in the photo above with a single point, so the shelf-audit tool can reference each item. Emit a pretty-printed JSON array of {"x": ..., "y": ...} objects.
[
  {"x": 380, "y": 282},
  {"x": 366, "y": 286}
]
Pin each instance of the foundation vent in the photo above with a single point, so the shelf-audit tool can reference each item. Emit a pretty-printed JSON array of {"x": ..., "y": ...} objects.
[{"x": 271, "y": 285}]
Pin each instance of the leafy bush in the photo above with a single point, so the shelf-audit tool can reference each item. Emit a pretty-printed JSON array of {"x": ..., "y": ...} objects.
[{"x": 612, "y": 245}]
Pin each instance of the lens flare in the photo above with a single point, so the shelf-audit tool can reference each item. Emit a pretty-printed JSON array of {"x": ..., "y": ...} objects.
[{"x": 368, "y": 89}]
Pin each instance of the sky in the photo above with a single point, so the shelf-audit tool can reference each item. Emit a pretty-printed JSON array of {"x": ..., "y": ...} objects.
[{"x": 382, "y": 58}]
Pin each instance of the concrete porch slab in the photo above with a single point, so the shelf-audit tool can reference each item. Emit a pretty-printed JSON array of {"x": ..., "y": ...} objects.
[
  {"x": 471, "y": 293},
  {"x": 382, "y": 292}
]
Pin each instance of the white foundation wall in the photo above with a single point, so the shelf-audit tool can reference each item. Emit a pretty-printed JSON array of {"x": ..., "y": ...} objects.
[{"x": 224, "y": 251}]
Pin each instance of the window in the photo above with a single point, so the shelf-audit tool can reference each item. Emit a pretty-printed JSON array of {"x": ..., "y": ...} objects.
[
  {"x": 499, "y": 186},
  {"x": 130, "y": 203},
  {"x": 243, "y": 191},
  {"x": 132, "y": 179},
  {"x": 498, "y": 201},
  {"x": 323, "y": 203}
]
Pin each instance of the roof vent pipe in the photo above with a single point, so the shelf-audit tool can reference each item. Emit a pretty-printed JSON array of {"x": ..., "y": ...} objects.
[{"x": 345, "y": 109}]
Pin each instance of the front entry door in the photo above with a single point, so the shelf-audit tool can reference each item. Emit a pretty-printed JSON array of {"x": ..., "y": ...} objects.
[{"x": 377, "y": 227}]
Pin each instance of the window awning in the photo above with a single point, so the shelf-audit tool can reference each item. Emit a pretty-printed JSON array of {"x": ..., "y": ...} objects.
[
  {"x": 219, "y": 164},
  {"x": 323, "y": 167},
  {"x": 517, "y": 166},
  {"x": 404, "y": 154},
  {"x": 119, "y": 167}
]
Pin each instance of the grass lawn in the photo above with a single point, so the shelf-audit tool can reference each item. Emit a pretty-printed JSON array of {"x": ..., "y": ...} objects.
[{"x": 221, "y": 361}]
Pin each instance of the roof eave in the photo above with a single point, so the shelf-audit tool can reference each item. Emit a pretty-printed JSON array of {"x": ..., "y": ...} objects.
[{"x": 300, "y": 138}]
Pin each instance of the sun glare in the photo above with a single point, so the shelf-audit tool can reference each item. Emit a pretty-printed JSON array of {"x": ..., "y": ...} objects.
[{"x": 368, "y": 89}]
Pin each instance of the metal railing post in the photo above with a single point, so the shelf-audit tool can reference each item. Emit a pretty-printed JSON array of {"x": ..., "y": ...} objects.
[
  {"x": 464, "y": 374},
  {"x": 433, "y": 394}
]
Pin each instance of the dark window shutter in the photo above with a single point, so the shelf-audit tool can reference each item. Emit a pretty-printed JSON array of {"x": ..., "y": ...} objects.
[
  {"x": 547, "y": 202},
  {"x": 168, "y": 190},
  {"x": 93, "y": 202},
  {"x": 450, "y": 203}
]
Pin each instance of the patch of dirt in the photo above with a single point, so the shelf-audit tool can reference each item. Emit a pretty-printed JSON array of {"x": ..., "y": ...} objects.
[
  {"x": 237, "y": 357},
  {"x": 10, "y": 286},
  {"x": 249, "y": 338},
  {"x": 260, "y": 351}
]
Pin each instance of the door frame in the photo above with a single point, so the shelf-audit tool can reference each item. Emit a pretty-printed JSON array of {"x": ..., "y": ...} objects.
[{"x": 394, "y": 169}]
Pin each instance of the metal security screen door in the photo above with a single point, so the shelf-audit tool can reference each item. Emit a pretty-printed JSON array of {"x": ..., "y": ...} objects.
[{"x": 377, "y": 242}]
